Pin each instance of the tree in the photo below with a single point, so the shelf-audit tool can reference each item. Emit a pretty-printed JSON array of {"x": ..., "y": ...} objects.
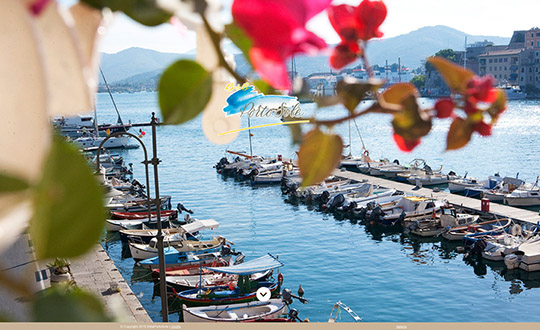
[
  {"x": 448, "y": 54},
  {"x": 419, "y": 81}
]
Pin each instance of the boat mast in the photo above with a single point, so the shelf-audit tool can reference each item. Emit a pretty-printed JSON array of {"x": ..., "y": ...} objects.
[
  {"x": 96, "y": 130},
  {"x": 250, "y": 145},
  {"x": 465, "y": 56},
  {"x": 350, "y": 144},
  {"x": 119, "y": 120}
]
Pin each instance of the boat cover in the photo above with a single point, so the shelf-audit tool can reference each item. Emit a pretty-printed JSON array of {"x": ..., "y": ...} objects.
[
  {"x": 257, "y": 265},
  {"x": 199, "y": 225}
]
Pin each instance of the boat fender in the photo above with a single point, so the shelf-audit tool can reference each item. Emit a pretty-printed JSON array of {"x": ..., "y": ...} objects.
[
  {"x": 472, "y": 229},
  {"x": 280, "y": 278},
  {"x": 366, "y": 153}
]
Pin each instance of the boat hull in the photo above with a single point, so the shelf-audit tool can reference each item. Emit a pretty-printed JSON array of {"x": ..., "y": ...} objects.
[{"x": 243, "y": 312}]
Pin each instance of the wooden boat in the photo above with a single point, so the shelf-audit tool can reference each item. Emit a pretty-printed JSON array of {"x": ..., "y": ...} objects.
[
  {"x": 432, "y": 226},
  {"x": 177, "y": 260},
  {"x": 244, "y": 292},
  {"x": 188, "y": 282},
  {"x": 491, "y": 227},
  {"x": 242, "y": 312},
  {"x": 143, "y": 215},
  {"x": 222, "y": 295},
  {"x": 141, "y": 251},
  {"x": 117, "y": 225}
]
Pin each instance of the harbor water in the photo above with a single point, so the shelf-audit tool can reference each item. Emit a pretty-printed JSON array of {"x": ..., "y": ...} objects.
[{"x": 383, "y": 276}]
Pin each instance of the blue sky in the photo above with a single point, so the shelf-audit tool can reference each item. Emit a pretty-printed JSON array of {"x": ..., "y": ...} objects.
[{"x": 477, "y": 17}]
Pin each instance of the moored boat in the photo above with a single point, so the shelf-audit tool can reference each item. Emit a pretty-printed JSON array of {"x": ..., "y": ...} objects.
[{"x": 242, "y": 312}]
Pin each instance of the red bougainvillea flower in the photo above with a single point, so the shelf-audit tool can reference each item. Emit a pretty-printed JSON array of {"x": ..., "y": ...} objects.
[
  {"x": 353, "y": 24},
  {"x": 405, "y": 145},
  {"x": 277, "y": 29},
  {"x": 341, "y": 56},
  {"x": 444, "y": 108},
  {"x": 37, "y": 6},
  {"x": 481, "y": 90},
  {"x": 482, "y": 128},
  {"x": 369, "y": 16}
]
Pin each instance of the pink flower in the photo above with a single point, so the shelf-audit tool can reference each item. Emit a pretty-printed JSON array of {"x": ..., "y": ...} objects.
[
  {"x": 37, "y": 6},
  {"x": 277, "y": 29},
  {"x": 353, "y": 24}
]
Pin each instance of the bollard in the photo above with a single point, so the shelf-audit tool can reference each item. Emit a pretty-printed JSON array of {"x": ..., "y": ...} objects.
[{"x": 484, "y": 205}]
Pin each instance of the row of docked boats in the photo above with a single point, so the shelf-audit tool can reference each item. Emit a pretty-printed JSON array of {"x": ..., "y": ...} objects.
[
  {"x": 422, "y": 216},
  {"x": 508, "y": 190},
  {"x": 212, "y": 281}
]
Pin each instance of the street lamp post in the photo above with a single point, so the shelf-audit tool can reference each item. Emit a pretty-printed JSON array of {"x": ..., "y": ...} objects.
[{"x": 157, "y": 201}]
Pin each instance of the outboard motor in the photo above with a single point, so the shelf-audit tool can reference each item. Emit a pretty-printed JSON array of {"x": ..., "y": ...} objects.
[
  {"x": 335, "y": 202},
  {"x": 180, "y": 207},
  {"x": 254, "y": 173},
  {"x": 325, "y": 197},
  {"x": 377, "y": 214},
  {"x": 454, "y": 173},
  {"x": 428, "y": 170},
  {"x": 239, "y": 259}
]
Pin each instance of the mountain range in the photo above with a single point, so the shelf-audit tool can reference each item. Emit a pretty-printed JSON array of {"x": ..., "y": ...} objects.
[{"x": 141, "y": 67}]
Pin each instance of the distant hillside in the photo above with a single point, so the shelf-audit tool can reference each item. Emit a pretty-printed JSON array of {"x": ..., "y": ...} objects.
[
  {"x": 139, "y": 69},
  {"x": 415, "y": 46},
  {"x": 134, "y": 61}
]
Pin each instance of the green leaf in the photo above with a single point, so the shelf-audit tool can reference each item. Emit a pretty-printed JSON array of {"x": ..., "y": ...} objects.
[
  {"x": 352, "y": 91},
  {"x": 318, "y": 156},
  {"x": 411, "y": 122},
  {"x": 68, "y": 214},
  {"x": 240, "y": 39},
  {"x": 459, "y": 134},
  {"x": 10, "y": 183},
  {"x": 184, "y": 91},
  {"x": 296, "y": 133},
  {"x": 59, "y": 304},
  {"x": 146, "y": 12},
  {"x": 455, "y": 76},
  {"x": 264, "y": 87}
]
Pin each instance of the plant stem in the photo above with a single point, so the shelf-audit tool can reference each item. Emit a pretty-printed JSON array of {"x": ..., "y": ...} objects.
[{"x": 216, "y": 38}]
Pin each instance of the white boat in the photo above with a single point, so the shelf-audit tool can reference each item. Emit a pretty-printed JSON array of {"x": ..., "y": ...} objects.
[
  {"x": 141, "y": 251},
  {"x": 117, "y": 225},
  {"x": 497, "y": 247},
  {"x": 505, "y": 187},
  {"x": 527, "y": 257},
  {"x": 243, "y": 312},
  {"x": 523, "y": 196},
  {"x": 471, "y": 187},
  {"x": 448, "y": 219},
  {"x": 409, "y": 207},
  {"x": 428, "y": 177},
  {"x": 513, "y": 92},
  {"x": 93, "y": 142}
]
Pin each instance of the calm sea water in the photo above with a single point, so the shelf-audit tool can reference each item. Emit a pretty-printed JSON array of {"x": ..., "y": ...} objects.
[{"x": 383, "y": 276}]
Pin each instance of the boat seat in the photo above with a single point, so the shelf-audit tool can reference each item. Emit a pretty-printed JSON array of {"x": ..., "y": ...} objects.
[{"x": 232, "y": 315}]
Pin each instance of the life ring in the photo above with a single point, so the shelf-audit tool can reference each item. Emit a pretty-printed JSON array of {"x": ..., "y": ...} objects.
[
  {"x": 472, "y": 228},
  {"x": 280, "y": 278},
  {"x": 366, "y": 153}
]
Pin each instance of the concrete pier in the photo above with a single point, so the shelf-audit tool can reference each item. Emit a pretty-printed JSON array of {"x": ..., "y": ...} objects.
[
  {"x": 471, "y": 203},
  {"x": 95, "y": 271}
]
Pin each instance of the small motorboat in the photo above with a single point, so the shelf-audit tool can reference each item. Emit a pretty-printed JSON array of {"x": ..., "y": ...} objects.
[
  {"x": 524, "y": 196},
  {"x": 244, "y": 292},
  {"x": 242, "y": 312},
  {"x": 475, "y": 230},
  {"x": 178, "y": 242},
  {"x": 117, "y": 225},
  {"x": 172, "y": 214},
  {"x": 407, "y": 207},
  {"x": 527, "y": 256},
  {"x": 188, "y": 231},
  {"x": 175, "y": 260},
  {"x": 182, "y": 283},
  {"x": 505, "y": 187}
]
